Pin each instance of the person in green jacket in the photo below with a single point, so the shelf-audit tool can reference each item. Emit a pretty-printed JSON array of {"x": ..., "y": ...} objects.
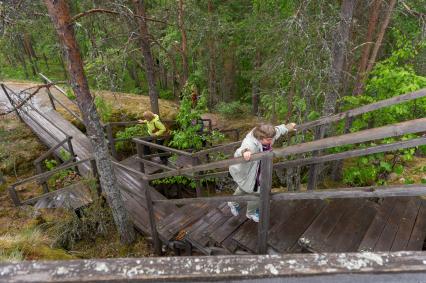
[{"x": 156, "y": 129}]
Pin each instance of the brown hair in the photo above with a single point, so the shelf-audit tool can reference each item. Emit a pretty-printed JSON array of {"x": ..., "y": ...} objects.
[
  {"x": 264, "y": 131},
  {"x": 148, "y": 115}
]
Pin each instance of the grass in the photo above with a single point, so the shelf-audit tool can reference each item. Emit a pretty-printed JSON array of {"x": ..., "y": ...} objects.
[{"x": 29, "y": 244}]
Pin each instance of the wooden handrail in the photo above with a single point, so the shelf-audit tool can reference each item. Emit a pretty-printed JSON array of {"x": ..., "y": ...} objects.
[
  {"x": 50, "y": 173},
  {"x": 162, "y": 147},
  {"x": 354, "y": 192},
  {"x": 363, "y": 109},
  {"x": 407, "y": 266},
  {"x": 51, "y": 150}
]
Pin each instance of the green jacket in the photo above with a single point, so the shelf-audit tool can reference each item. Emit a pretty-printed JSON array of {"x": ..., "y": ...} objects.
[{"x": 155, "y": 127}]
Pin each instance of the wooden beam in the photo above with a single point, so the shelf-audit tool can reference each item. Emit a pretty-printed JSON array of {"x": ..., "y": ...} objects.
[
  {"x": 326, "y": 267},
  {"x": 364, "y": 109},
  {"x": 162, "y": 147},
  {"x": 52, "y": 172},
  {"x": 264, "y": 204},
  {"x": 409, "y": 127},
  {"x": 352, "y": 153},
  {"x": 356, "y": 192}
]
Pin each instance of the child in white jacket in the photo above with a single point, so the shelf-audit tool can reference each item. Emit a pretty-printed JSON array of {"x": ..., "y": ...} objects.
[{"x": 247, "y": 175}]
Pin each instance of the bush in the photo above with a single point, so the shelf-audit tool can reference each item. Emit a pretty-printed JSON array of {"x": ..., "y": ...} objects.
[
  {"x": 233, "y": 109},
  {"x": 104, "y": 109},
  {"x": 129, "y": 132}
]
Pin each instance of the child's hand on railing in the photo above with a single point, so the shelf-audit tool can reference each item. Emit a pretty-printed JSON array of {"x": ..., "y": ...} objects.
[
  {"x": 291, "y": 127},
  {"x": 142, "y": 121}
]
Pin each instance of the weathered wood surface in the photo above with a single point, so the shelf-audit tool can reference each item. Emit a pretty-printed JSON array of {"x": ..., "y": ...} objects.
[
  {"x": 340, "y": 226},
  {"x": 340, "y": 267},
  {"x": 71, "y": 197},
  {"x": 129, "y": 183}
]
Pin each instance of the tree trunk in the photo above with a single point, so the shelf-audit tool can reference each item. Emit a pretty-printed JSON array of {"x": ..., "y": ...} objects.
[
  {"x": 339, "y": 52},
  {"x": 380, "y": 36},
  {"x": 255, "y": 98},
  {"x": 184, "y": 51},
  {"x": 212, "y": 58},
  {"x": 145, "y": 41},
  {"x": 59, "y": 13},
  {"x": 374, "y": 15}
]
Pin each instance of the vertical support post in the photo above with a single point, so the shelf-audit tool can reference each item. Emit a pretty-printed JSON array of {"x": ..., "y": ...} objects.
[
  {"x": 14, "y": 196},
  {"x": 152, "y": 223},
  {"x": 111, "y": 140},
  {"x": 43, "y": 182},
  {"x": 265, "y": 196},
  {"x": 198, "y": 189},
  {"x": 49, "y": 93},
  {"x": 96, "y": 176},
  {"x": 139, "y": 149},
  {"x": 71, "y": 151},
  {"x": 11, "y": 102},
  {"x": 315, "y": 169}
]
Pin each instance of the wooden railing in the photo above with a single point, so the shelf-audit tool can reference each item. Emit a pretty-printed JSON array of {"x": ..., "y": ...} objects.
[
  {"x": 393, "y": 267},
  {"x": 42, "y": 177},
  {"x": 409, "y": 127},
  {"x": 53, "y": 99}
]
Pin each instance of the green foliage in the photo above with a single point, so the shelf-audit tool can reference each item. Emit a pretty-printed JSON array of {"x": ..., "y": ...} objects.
[
  {"x": 233, "y": 109},
  {"x": 128, "y": 133},
  {"x": 176, "y": 180},
  {"x": 166, "y": 94},
  {"x": 188, "y": 134},
  {"x": 50, "y": 164},
  {"x": 70, "y": 94},
  {"x": 104, "y": 108},
  {"x": 64, "y": 155}
]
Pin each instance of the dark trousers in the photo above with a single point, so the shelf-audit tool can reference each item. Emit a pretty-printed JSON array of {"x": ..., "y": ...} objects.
[{"x": 147, "y": 149}]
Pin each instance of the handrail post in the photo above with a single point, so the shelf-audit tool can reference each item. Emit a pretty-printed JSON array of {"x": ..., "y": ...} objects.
[
  {"x": 265, "y": 196},
  {"x": 71, "y": 151},
  {"x": 111, "y": 141},
  {"x": 11, "y": 102},
  {"x": 14, "y": 196},
  {"x": 39, "y": 170},
  {"x": 152, "y": 223},
  {"x": 49, "y": 93},
  {"x": 139, "y": 149},
  {"x": 198, "y": 190}
]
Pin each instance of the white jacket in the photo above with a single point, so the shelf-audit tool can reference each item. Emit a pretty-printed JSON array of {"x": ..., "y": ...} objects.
[{"x": 244, "y": 174}]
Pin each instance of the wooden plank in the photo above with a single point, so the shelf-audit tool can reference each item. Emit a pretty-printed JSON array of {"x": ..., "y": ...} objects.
[
  {"x": 178, "y": 221},
  {"x": 332, "y": 268},
  {"x": 246, "y": 236},
  {"x": 389, "y": 232},
  {"x": 360, "y": 192},
  {"x": 363, "y": 109},
  {"x": 418, "y": 234},
  {"x": 350, "y": 229},
  {"x": 406, "y": 225},
  {"x": 229, "y": 226},
  {"x": 352, "y": 153},
  {"x": 200, "y": 231},
  {"x": 375, "y": 230},
  {"x": 284, "y": 236},
  {"x": 320, "y": 229}
]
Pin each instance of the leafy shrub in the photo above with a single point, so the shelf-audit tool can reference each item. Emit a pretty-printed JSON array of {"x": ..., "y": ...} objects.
[
  {"x": 104, "y": 108},
  {"x": 129, "y": 132},
  {"x": 233, "y": 109},
  {"x": 166, "y": 94}
]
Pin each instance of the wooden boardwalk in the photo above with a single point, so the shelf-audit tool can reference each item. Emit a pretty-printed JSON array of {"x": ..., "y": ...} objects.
[{"x": 340, "y": 225}]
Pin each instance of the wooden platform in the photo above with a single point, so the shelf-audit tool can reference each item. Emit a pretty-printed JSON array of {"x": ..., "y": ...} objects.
[{"x": 341, "y": 225}]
